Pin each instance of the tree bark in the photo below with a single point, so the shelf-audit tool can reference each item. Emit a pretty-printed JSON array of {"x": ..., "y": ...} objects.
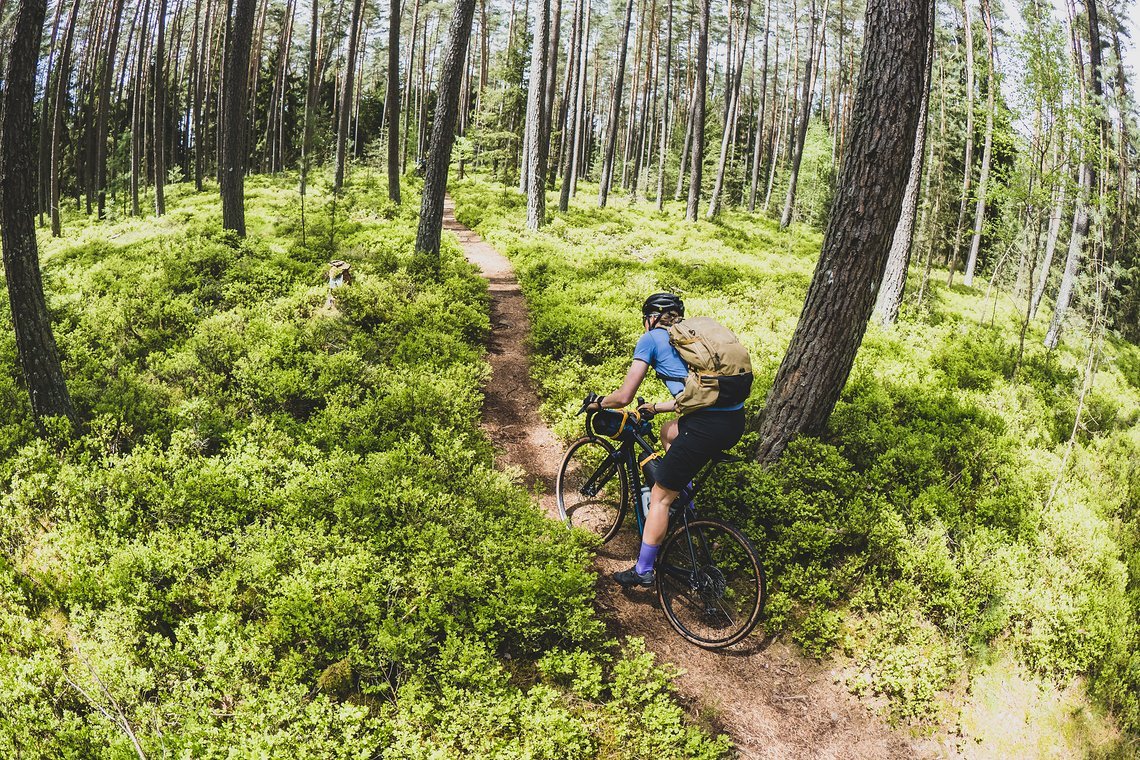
[
  {"x": 345, "y": 112},
  {"x": 392, "y": 103},
  {"x": 570, "y": 179},
  {"x": 968, "y": 161},
  {"x": 733, "y": 107},
  {"x": 103, "y": 114},
  {"x": 62, "y": 78},
  {"x": 665, "y": 124},
  {"x": 805, "y": 119},
  {"x": 35, "y": 344},
  {"x": 443, "y": 134},
  {"x": 159, "y": 131},
  {"x": 987, "y": 149},
  {"x": 760, "y": 112},
  {"x": 1073, "y": 259},
  {"x": 700, "y": 81},
  {"x": 538, "y": 149},
  {"x": 863, "y": 218},
  {"x": 1050, "y": 247},
  {"x": 615, "y": 111},
  {"x": 235, "y": 117},
  {"x": 898, "y": 260}
]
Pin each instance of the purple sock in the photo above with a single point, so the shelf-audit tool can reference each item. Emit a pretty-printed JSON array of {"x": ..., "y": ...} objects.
[{"x": 646, "y": 558}]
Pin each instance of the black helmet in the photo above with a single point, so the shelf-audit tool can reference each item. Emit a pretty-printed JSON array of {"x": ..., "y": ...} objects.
[{"x": 663, "y": 303}]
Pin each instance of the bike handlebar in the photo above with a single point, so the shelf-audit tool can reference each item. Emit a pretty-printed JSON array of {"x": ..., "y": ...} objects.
[{"x": 593, "y": 398}]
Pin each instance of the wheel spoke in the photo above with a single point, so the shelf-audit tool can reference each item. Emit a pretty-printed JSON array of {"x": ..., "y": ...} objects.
[{"x": 711, "y": 585}]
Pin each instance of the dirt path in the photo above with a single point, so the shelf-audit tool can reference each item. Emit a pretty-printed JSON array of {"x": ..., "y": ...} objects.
[{"x": 772, "y": 702}]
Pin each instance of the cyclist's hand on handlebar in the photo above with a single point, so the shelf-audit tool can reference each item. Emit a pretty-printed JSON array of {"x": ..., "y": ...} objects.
[
  {"x": 645, "y": 409},
  {"x": 592, "y": 403}
]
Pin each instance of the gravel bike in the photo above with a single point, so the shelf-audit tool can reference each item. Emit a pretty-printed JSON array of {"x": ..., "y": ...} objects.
[{"x": 709, "y": 579}]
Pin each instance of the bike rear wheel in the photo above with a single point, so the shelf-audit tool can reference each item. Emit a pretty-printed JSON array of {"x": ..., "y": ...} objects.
[
  {"x": 710, "y": 583},
  {"x": 592, "y": 488}
]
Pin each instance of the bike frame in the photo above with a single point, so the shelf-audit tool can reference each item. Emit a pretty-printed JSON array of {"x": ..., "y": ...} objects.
[{"x": 626, "y": 456}]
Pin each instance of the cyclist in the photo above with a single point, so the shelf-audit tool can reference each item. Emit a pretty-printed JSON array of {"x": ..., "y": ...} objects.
[{"x": 690, "y": 442}]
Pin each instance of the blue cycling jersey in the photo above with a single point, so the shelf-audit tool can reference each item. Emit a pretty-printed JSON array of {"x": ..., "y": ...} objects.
[{"x": 654, "y": 349}]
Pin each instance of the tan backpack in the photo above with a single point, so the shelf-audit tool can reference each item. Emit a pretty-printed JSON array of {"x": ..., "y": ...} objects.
[{"x": 720, "y": 370}]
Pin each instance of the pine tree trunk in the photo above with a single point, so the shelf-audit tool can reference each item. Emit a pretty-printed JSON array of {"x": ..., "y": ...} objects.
[
  {"x": 760, "y": 112},
  {"x": 345, "y": 111},
  {"x": 104, "y": 112},
  {"x": 235, "y": 117},
  {"x": 700, "y": 81},
  {"x": 1073, "y": 259},
  {"x": 43, "y": 145},
  {"x": 968, "y": 161},
  {"x": 392, "y": 103},
  {"x": 408, "y": 91},
  {"x": 443, "y": 134},
  {"x": 1050, "y": 248},
  {"x": 551, "y": 83},
  {"x": 62, "y": 77},
  {"x": 538, "y": 149},
  {"x": 987, "y": 150},
  {"x": 730, "y": 120},
  {"x": 159, "y": 145},
  {"x": 615, "y": 111},
  {"x": 805, "y": 119},
  {"x": 859, "y": 231},
  {"x": 898, "y": 260},
  {"x": 35, "y": 344},
  {"x": 570, "y": 178},
  {"x": 665, "y": 124}
]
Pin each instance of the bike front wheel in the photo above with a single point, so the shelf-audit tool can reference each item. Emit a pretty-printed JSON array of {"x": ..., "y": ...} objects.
[
  {"x": 592, "y": 488},
  {"x": 710, "y": 583}
]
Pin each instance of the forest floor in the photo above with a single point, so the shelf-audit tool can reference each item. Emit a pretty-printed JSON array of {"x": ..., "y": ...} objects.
[{"x": 770, "y": 700}]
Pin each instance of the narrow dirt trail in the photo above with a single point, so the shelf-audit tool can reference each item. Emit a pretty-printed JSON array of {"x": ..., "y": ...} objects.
[{"x": 772, "y": 702}]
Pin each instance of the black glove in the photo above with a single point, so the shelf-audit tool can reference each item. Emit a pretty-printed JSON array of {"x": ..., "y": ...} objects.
[{"x": 592, "y": 403}]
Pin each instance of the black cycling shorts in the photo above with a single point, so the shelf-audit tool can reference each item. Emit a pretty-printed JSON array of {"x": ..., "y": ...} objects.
[{"x": 700, "y": 435}]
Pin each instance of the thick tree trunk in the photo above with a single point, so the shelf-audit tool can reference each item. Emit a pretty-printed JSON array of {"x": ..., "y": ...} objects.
[
  {"x": 987, "y": 150},
  {"x": 700, "y": 82},
  {"x": 345, "y": 111},
  {"x": 866, "y": 211},
  {"x": 392, "y": 103},
  {"x": 615, "y": 111},
  {"x": 35, "y": 344},
  {"x": 443, "y": 134},
  {"x": 235, "y": 117},
  {"x": 898, "y": 260},
  {"x": 538, "y": 150}
]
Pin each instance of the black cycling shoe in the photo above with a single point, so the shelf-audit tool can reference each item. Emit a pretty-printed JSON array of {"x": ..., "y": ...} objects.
[{"x": 631, "y": 577}]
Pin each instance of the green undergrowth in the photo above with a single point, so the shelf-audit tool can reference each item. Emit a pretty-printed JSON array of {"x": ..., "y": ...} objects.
[
  {"x": 281, "y": 533},
  {"x": 919, "y": 532}
]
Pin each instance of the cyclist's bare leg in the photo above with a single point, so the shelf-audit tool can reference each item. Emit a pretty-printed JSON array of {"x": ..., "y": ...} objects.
[
  {"x": 668, "y": 433},
  {"x": 657, "y": 524}
]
